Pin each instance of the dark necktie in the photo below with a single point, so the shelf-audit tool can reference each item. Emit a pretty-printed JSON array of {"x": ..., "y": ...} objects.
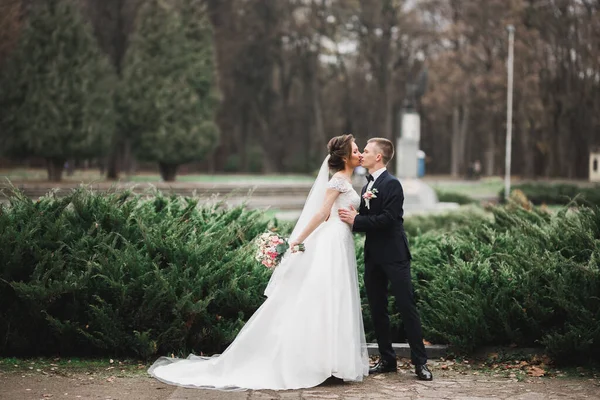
[{"x": 369, "y": 178}]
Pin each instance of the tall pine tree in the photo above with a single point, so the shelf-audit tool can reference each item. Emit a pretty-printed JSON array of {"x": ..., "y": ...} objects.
[
  {"x": 57, "y": 93},
  {"x": 168, "y": 90}
]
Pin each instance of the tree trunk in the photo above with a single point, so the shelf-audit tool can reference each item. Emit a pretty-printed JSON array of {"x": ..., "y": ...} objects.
[
  {"x": 127, "y": 158},
  {"x": 490, "y": 152},
  {"x": 316, "y": 143},
  {"x": 565, "y": 153},
  {"x": 55, "y": 167},
  {"x": 463, "y": 130},
  {"x": 460, "y": 120},
  {"x": 455, "y": 150},
  {"x": 528, "y": 162},
  {"x": 168, "y": 172},
  {"x": 70, "y": 167},
  {"x": 244, "y": 130},
  {"x": 270, "y": 146},
  {"x": 114, "y": 161},
  {"x": 269, "y": 165},
  {"x": 318, "y": 119},
  {"x": 384, "y": 108},
  {"x": 389, "y": 109}
]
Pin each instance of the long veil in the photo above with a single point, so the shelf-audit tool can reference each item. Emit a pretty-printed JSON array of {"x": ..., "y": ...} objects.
[{"x": 314, "y": 201}]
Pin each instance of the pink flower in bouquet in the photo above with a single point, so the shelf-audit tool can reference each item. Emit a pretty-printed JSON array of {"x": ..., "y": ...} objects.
[{"x": 271, "y": 248}]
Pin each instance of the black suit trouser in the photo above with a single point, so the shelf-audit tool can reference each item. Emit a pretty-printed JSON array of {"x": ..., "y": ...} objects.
[{"x": 377, "y": 276}]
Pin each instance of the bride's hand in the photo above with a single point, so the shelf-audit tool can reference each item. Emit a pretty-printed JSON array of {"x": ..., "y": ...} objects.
[{"x": 293, "y": 246}]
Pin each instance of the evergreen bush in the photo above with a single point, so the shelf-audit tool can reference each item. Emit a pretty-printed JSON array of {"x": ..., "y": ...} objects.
[
  {"x": 453, "y": 197},
  {"x": 124, "y": 274},
  {"x": 57, "y": 91},
  {"x": 526, "y": 277},
  {"x": 558, "y": 194},
  {"x": 415, "y": 225},
  {"x": 168, "y": 95},
  {"x": 121, "y": 274}
]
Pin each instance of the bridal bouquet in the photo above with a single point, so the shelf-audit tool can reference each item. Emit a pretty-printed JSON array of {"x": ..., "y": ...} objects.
[{"x": 271, "y": 247}]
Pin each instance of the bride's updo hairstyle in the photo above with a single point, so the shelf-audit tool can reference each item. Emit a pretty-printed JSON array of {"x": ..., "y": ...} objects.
[{"x": 340, "y": 149}]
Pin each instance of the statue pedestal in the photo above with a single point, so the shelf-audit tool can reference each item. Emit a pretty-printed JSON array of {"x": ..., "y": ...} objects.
[
  {"x": 419, "y": 198},
  {"x": 406, "y": 158}
]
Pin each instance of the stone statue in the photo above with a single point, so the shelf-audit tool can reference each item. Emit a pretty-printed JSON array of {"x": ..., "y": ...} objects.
[{"x": 415, "y": 90}]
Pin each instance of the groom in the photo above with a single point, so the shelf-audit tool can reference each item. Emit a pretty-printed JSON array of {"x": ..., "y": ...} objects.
[{"x": 387, "y": 258}]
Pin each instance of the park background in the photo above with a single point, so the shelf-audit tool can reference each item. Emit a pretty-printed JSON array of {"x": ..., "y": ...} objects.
[{"x": 207, "y": 97}]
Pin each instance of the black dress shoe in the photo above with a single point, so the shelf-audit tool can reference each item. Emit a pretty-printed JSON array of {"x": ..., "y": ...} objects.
[
  {"x": 383, "y": 367},
  {"x": 423, "y": 373}
]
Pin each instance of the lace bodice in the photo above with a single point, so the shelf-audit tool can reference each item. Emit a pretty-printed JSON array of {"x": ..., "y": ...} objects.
[{"x": 348, "y": 197}]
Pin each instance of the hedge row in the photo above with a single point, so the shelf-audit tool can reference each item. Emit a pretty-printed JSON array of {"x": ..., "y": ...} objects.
[
  {"x": 121, "y": 274},
  {"x": 558, "y": 194},
  {"x": 454, "y": 197},
  {"x": 526, "y": 277},
  {"x": 118, "y": 274}
]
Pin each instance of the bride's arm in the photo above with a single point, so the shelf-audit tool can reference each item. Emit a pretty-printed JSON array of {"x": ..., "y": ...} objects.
[{"x": 319, "y": 217}]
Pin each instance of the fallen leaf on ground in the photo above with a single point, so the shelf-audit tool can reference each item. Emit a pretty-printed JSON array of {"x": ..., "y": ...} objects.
[
  {"x": 535, "y": 371},
  {"x": 543, "y": 359}
]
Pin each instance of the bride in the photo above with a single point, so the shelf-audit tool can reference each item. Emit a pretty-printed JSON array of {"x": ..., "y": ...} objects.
[{"x": 310, "y": 326}]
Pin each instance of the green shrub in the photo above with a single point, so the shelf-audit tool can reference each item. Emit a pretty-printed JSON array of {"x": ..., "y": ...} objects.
[
  {"x": 415, "y": 225},
  {"x": 120, "y": 274},
  {"x": 56, "y": 101},
  {"x": 558, "y": 194},
  {"x": 527, "y": 277},
  {"x": 124, "y": 274},
  {"x": 453, "y": 197}
]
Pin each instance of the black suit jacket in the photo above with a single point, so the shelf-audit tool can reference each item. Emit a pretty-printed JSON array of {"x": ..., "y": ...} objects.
[{"x": 383, "y": 222}]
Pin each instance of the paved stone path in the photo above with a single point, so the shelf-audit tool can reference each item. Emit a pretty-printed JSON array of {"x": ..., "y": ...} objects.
[
  {"x": 405, "y": 387},
  {"x": 448, "y": 385}
]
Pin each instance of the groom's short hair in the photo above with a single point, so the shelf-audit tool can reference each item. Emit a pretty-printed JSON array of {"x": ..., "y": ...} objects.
[{"x": 385, "y": 146}]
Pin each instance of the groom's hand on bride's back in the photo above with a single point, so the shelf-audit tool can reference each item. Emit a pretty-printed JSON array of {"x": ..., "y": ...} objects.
[{"x": 348, "y": 215}]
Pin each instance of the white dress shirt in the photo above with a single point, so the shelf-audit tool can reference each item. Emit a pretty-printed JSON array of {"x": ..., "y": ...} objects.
[{"x": 375, "y": 175}]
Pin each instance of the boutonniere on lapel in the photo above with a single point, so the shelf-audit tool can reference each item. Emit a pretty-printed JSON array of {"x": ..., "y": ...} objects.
[{"x": 370, "y": 194}]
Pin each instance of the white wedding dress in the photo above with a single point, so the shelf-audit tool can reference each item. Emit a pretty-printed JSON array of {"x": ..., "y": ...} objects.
[{"x": 309, "y": 328}]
